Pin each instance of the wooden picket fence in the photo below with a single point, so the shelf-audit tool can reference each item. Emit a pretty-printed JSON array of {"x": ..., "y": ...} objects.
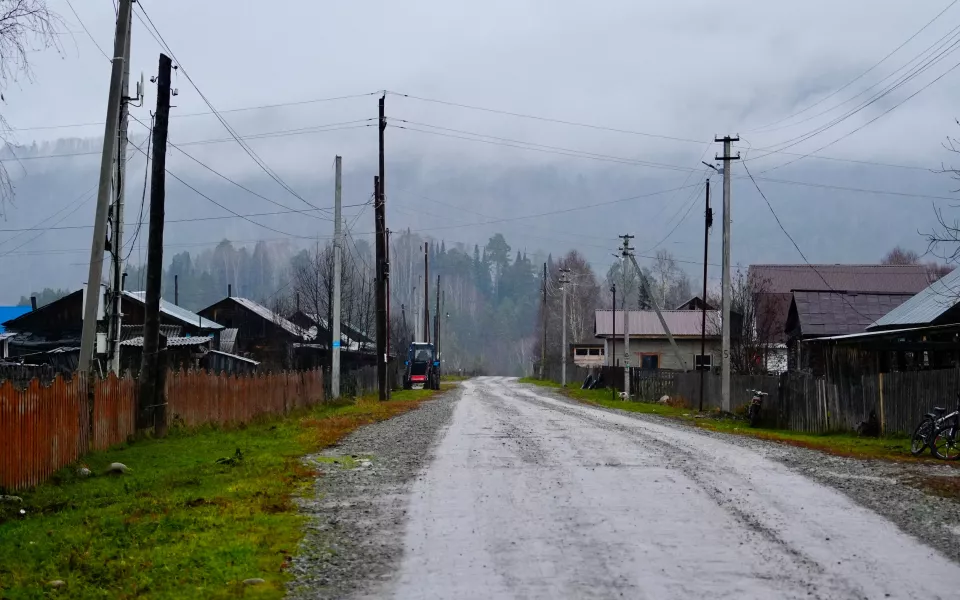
[{"x": 46, "y": 427}]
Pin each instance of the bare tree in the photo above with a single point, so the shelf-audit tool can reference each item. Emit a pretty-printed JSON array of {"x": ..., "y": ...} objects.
[
  {"x": 900, "y": 256},
  {"x": 26, "y": 26},
  {"x": 753, "y": 332}
]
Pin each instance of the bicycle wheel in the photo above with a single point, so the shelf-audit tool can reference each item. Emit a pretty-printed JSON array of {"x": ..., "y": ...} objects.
[
  {"x": 918, "y": 443},
  {"x": 946, "y": 446}
]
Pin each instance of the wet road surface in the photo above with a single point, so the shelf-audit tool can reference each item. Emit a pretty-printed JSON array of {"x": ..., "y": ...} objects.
[{"x": 529, "y": 496}]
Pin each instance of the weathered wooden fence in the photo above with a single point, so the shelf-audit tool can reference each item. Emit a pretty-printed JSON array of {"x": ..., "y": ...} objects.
[
  {"x": 801, "y": 402},
  {"x": 46, "y": 427}
]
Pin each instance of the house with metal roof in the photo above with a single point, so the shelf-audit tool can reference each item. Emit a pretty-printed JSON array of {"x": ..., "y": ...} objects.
[
  {"x": 261, "y": 334},
  {"x": 815, "y": 314},
  {"x": 936, "y": 304},
  {"x": 60, "y": 323},
  {"x": 649, "y": 345}
]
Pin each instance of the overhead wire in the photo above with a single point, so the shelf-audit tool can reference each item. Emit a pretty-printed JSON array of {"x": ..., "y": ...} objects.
[
  {"x": 799, "y": 251},
  {"x": 249, "y": 151},
  {"x": 863, "y": 74},
  {"x": 89, "y": 35}
]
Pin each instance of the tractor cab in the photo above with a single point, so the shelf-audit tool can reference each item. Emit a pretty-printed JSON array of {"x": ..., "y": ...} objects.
[{"x": 422, "y": 367}]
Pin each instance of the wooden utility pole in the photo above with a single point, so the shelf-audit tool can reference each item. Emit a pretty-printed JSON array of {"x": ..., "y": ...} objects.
[
  {"x": 436, "y": 320},
  {"x": 707, "y": 222},
  {"x": 151, "y": 402},
  {"x": 543, "y": 320},
  {"x": 389, "y": 293},
  {"x": 426, "y": 294},
  {"x": 335, "y": 324},
  {"x": 563, "y": 316},
  {"x": 381, "y": 287},
  {"x": 727, "y": 291},
  {"x": 111, "y": 133}
]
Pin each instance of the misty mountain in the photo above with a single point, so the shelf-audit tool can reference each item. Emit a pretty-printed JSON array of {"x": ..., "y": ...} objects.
[{"x": 466, "y": 202}]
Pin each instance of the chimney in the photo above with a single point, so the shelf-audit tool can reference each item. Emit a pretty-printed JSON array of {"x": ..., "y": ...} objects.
[
  {"x": 298, "y": 301},
  {"x": 229, "y": 290},
  {"x": 33, "y": 303},
  {"x": 176, "y": 290}
]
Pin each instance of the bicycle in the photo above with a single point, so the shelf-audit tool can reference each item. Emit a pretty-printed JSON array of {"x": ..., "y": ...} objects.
[{"x": 931, "y": 426}]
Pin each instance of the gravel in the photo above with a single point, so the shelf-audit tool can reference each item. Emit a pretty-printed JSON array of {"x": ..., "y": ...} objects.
[
  {"x": 887, "y": 488},
  {"x": 357, "y": 510}
]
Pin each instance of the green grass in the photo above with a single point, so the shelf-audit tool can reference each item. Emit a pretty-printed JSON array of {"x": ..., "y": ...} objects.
[
  {"x": 896, "y": 448},
  {"x": 179, "y": 525},
  {"x": 454, "y": 377}
]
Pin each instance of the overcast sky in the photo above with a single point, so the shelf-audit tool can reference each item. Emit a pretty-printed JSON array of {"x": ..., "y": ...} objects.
[{"x": 683, "y": 70}]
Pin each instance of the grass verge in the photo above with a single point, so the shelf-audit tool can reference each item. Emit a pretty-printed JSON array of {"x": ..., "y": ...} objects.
[
  {"x": 893, "y": 448},
  {"x": 180, "y": 524}
]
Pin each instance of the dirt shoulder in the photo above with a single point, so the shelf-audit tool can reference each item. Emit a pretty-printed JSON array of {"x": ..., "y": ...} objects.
[{"x": 357, "y": 509}]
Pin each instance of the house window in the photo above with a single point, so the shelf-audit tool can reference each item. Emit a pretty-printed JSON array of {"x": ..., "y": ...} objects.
[
  {"x": 581, "y": 351},
  {"x": 703, "y": 362},
  {"x": 649, "y": 361},
  {"x": 594, "y": 351}
]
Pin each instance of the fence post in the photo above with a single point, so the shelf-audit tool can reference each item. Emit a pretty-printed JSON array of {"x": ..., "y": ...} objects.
[{"x": 883, "y": 418}]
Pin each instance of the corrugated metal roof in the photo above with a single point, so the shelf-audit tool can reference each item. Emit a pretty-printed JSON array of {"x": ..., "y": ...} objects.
[
  {"x": 228, "y": 340},
  {"x": 271, "y": 316},
  {"x": 235, "y": 357},
  {"x": 782, "y": 279},
  {"x": 927, "y": 306},
  {"x": 8, "y": 313},
  {"x": 176, "y": 312},
  {"x": 835, "y": 313},
  {"x": 646, "y": 323},
  {"x": 137, "y": 342},
  {"x": 882, "y": 333}
]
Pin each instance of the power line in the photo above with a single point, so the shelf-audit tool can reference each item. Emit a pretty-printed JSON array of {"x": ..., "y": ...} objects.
[
  {"x": 861, "y": 75},
  {"x": 544, "y": 119},
  {"x": 799, "y": 251},
  {"x": 231, "y": 181},
  {"x": 233, "y": 212},
  {"x": 249, "y": 151},
  {"x": 534, "y": 146},
  {"x": 256, "y": 136},
  {"x": 172, "y": 221},
  {"x": 89, "y": 35}
]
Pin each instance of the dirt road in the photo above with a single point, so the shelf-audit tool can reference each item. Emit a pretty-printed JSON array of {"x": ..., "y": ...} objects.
[{"x": 528, "y": 496}]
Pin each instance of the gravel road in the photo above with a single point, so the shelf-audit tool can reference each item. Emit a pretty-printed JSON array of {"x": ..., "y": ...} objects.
[{"x": 500, "y": 490}]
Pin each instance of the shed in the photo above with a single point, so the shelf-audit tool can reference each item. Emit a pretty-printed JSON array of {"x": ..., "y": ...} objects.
[
  {"x": 777, "y": 282},
  {"x": 815, "y": 314}
]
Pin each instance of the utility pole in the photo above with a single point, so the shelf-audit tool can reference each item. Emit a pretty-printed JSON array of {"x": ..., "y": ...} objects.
[
  {"x": 381, "y": 284},
  {"x": 110, "y": 135},
  {"x": 628, "y": 253},
  {"x": 383, "y": 303},
  {"x": 426, "y": 295},
  {"x": 436, "y": 320},
  {"x": 613, "y": 290},
  {"x": 543, "y": 321},
  {"x": 151, "y": 401},
  {"x": 386, "y": 251},
  {"x": 727, "y": 292},
  {"x": 707, "y": 223},
  {"x": 564, "y": 280},
  {"x": 626, "y": 315},
  {"x": 335, "y": 326},
  {"x": 115, "y": 313}
]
